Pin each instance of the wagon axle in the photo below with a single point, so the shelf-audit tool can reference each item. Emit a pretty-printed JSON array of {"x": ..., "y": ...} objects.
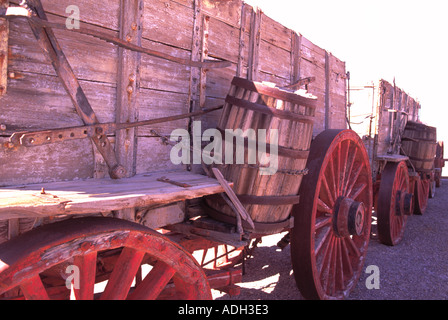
[
  {"x": 348, "y": 217},
  {"x": 403, "y": 203}
]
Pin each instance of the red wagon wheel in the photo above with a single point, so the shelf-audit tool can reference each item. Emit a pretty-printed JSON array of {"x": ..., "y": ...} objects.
[
  {"x": 332, "y": 221},
  {"x": 421, "y": 195},
  {"x": 37, "y": 265},
  {"x": 394, "y": 203}
]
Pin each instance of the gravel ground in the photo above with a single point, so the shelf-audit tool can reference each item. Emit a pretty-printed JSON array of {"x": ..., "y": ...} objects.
[{"x": 415, "y": 269}]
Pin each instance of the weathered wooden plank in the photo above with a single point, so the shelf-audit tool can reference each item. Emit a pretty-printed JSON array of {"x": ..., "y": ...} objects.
[
  {"x": 227, "y": 11},
  {"x": 90, "y": 58},
  {"x": 86, "y": 196},
  {"x": 275, "y": 33},
  {"x": 168, "y": 22},
  {"x": 70, "y": 160},
  {"x": 156, "y": 104},
  {"x": 280, "y": 66},
  {"x": 94, "y": 12},
  {"x": 224, "y": 41},
  {"x": 154, "y": 156},
  {"x": 36, "y": 102},
  {"x": 164, "y": 75}
]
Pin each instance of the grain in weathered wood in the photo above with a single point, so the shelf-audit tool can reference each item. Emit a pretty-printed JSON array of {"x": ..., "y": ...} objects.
[
  {"x": 37, "y": 101},
  {"x": 168, "y": 22},
  {"x": 46, "y": 163},
  {"x": 227, "y": 11},
  {"x": 90, "y": 58},
  {"x": 86, "y": 196},
  {"x": 275, "y": 33}
]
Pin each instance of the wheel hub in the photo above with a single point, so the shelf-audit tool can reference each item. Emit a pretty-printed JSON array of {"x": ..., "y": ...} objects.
[
  {"x": 348, "y": 217},
  {"x": 403, "y": 203}
]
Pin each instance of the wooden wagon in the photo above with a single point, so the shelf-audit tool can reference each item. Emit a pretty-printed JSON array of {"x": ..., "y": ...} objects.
[
  {"x": 402, "y": 152},
  {"x": 89, "y": 193}
]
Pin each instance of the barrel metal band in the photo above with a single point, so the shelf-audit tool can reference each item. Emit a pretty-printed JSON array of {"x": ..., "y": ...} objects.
[
  {"x": 281, "y": 114},
  {"x": 281, "y": 151},
  {"x": 269, "y": 200}
]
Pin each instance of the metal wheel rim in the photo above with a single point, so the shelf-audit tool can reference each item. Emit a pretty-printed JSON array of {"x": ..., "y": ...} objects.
[{"x": 314, "y": 246}]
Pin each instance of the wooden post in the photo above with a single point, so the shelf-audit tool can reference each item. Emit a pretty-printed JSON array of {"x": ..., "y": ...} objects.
[
  {"x": 131, "y": 22},
  {"x": 131, "y": 25},
  {"x": 296, "y": 41},
  {"x": 4, "y": 34},
  {"x": 327, "y": 91},
  {"x": 254, "y": 44},
  {"x": 240, "y": 66}
]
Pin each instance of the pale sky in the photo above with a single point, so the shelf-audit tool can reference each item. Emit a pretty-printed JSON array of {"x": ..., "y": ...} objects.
[{"x": 380, "y": 39}]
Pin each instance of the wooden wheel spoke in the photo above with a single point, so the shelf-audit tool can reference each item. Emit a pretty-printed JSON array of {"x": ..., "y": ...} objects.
[
  {"x": 322, "y": 222},
  {"x": 328, "y": 191},
  {"x": 33, "y": 289},
  {"x": 357, "y": 191},
  {"x": 154, "y": 282},
  {"x": 349, "y": 171},
  {"x": 346, "y": 259},
  {"x": 322, "y": 240},
  {"x": 87, "y": 272},
  {"x": 323, "y": 207},
  {"x": 327, "y": 268},
  {"x": 123, "y": 274},
  {"x": 354, "y": 179},
  {"x": 352, "y": 247},
  {"x": 343, "y": 175},
  {"x": 339, "y": 267},
  {"x": 333, "y": 179}
]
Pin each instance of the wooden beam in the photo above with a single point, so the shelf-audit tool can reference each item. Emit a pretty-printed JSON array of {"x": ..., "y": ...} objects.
[
  {"x": 128, "y": 79},
  {"x": 242, "y": 43},
  {"x": 254, "y": 44},
  {"x": 296, "y": 41},
  {"x": 131, "y": 25},
  {"x": 4, "y": 35}
]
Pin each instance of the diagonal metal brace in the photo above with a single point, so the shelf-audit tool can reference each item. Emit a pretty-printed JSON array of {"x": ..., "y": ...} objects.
[{"x": 51, "y": 47}]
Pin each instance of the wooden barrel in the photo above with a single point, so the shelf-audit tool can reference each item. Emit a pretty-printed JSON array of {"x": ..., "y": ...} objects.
[
  {"x": 419, "y": 143},
  {"x": 268, "y": 198}
]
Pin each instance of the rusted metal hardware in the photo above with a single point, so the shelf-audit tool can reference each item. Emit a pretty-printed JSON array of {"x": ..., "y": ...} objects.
[
  {"x": 38, "y": 138},
  {"x": 43, "y": 23},
  {"x": 176, "y": 183},
  {"x": 302, "y": 82}
]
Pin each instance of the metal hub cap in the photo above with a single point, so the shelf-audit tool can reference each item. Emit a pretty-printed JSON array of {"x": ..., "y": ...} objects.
[{"x": 348, "y": 217}]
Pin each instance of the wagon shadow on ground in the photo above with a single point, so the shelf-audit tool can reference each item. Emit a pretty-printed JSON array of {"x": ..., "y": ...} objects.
[
  {"x": 268, "y": 274},
  {"x": 414, "y": 269}
]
